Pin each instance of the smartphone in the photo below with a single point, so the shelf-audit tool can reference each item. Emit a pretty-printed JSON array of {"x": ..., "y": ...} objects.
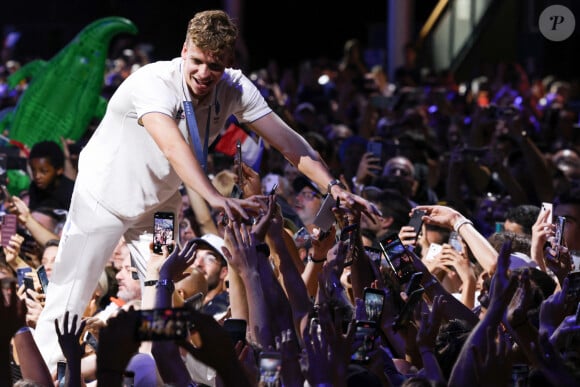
[
  {"x": 21, "y": 274},
  {"x": 9, "y": 227},
  {"x": 376, "y": 148},
  {"x": 29, "y": 284},
  {"x": 373, "y": 301},
  {"x": 455, "y": 241},
  {"x": 194, "y": 302},
  {"x": 401, "y": 260},
  {"x": 416, "y": 221},
  {"x": 434, "y": 249},
  {"x": 91, "y": 340},
  {"x": 547, "y": 207},
  {"x": 61, "y": 372},
  {"x": 163, "y": 231},
  {"x": 364, "y": 338},
  {"x": 270, "y": 365},
  {"x": 414, "y": 283},
  {"x": 163, "y": 324},
  {"x": 240, "y": 171},
  {"x": 573, "y": 293},
  {"x": 301, "y": 236},
  {"x": 404, "y": 317},
  {"x": 236, "y": 327},
  {"x": 348, "y": 235},
  {"x": 559, "y": 234},
  {"x": 42, "y": 278},
  {"x": 325, "y": 217}
]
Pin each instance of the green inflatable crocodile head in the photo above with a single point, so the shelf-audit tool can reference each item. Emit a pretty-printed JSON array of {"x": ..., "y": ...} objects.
[{"x": 64, "y": 93}]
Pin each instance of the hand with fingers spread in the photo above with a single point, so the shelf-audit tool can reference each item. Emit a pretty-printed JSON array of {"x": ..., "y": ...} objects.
[
  {"x": 426, "y": 338},
  {"x": 72, "y": 349},
  {"x": 492, "y": 361},
  {"x": 178, "y": 261},
  {"x": 350, "y": 200},
  {"x": 240, "y": 248},
  {"x": 318, "y": 352}
]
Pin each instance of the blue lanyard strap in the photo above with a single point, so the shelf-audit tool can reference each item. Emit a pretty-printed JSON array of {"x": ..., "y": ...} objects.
[{"x": 200, "y": 153}]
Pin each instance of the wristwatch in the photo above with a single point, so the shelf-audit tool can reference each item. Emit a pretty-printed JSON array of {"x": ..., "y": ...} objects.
[
  {"x": 167, "y": 284},
  {"x": 333, "y": 183}
]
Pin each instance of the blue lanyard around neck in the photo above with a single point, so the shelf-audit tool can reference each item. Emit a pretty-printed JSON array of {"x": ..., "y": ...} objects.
[{"x": 200, "y": 153}]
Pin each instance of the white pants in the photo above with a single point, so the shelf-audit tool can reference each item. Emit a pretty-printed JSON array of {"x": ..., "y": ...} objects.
[{"x": 89, "y": 237}]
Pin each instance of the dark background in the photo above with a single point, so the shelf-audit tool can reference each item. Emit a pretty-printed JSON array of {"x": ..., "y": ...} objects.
[{"x": 287, "y": 31}]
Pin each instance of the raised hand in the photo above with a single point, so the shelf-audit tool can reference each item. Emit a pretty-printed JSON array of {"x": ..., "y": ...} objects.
[
  {"x": 493, "y": 361},
  {"x": 178, "y": 261},
  {"x": 72, "y": 349}
]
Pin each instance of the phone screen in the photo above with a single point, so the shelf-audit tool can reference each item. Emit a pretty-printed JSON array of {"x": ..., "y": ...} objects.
[
  {"x": 270, "y": 364},
  {"x": 21, "y": 273},
  {"x": 401, "y": 259},
  {"x": 364, "y": 338},
  {"x": 61, "y": 373},
  {"x": 163, "y": 324},
  {"x": 455, "y": 241},
  {"x": 42, "y": 278},
  {"x": 373, "y": 300},
  {"x": 163, "y": 231},
  {"x": 9, "y": 227}
]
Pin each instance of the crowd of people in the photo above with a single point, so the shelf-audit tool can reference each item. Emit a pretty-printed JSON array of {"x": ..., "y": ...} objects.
[{"x": 483, "y": 290}]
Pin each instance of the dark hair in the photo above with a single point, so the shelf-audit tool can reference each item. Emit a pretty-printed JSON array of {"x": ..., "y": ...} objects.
[
  {"x": 49, "y": 150},
  {"x": 391, "y": 203},
  {"x": 520, "y": 243},
  {"x": 569, "y": 196},
  {"x": 525, "y": 215},
  {"x": 449, "y": 342}
]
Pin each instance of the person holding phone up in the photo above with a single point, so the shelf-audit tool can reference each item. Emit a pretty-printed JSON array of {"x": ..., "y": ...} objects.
[{"x": 142, "y": 151}]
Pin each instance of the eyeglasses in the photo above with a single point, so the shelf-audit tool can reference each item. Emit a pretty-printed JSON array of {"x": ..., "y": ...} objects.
[
  {"x": 210, "y": 259},
  {"x": 308, "y": 195}
]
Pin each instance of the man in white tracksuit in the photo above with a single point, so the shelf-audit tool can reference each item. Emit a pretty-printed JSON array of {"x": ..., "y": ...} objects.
[{"x": 139, "y": 155}]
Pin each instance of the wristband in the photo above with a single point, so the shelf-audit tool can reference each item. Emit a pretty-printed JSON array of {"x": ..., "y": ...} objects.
[
  {"x": 23, "y": 330},
  {"x": 460, "y": 223},
  {"x": 311, "y": 259},
  {"x": 333, "y": 183},
  {"x": 150, "y": 283},
  {"x": 167, "y": 284}
]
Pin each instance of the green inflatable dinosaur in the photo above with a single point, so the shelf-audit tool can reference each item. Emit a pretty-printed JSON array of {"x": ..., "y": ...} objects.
[{"x": 64, "y": 94}]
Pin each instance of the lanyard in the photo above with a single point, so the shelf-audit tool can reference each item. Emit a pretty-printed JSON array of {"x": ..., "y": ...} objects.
[{"x": 200, "y": 153}]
